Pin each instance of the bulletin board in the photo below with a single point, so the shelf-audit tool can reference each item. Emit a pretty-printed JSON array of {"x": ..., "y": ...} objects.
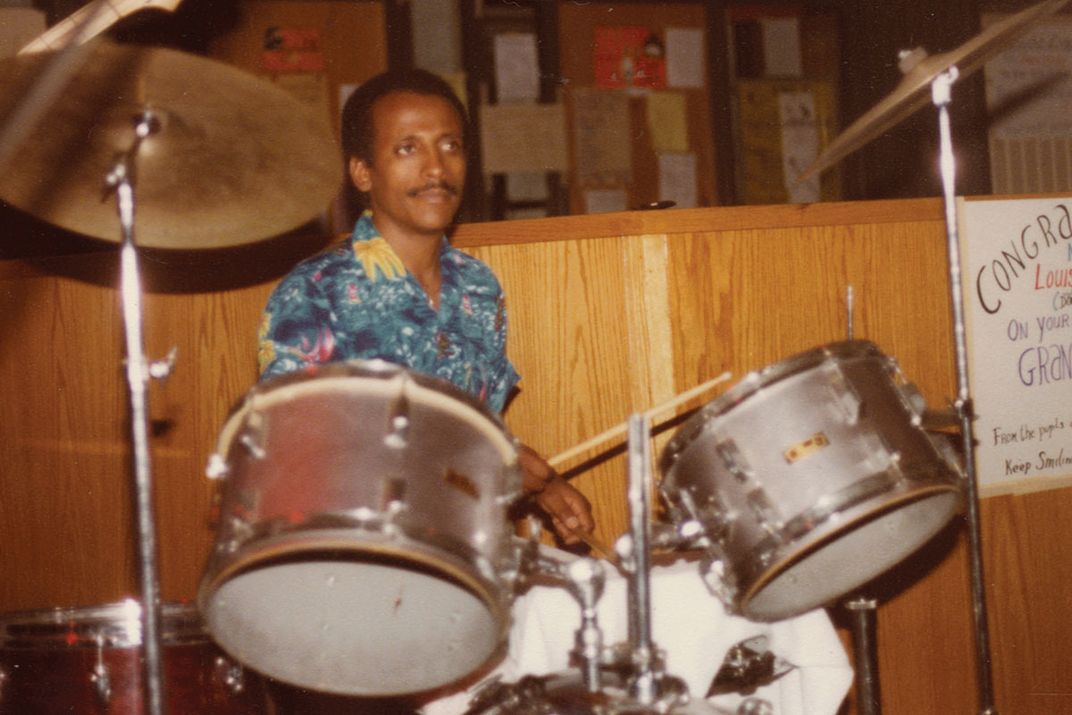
[
  {"x": 314, "y": 48},
  {"x": 628, "y": 140},
  {"x": 764, "y": 175}
]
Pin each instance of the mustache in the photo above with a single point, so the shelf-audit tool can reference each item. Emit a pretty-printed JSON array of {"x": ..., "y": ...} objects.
[{"x": 436, "y": 185}]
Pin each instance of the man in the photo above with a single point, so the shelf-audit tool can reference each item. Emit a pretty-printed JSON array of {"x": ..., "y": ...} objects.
[{"x": 396, "y": 290}]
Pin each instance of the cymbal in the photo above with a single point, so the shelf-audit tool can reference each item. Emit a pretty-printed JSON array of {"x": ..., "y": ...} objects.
[
  {"x": 236, "y": 159},
  {"x": 920, "y": 70}
]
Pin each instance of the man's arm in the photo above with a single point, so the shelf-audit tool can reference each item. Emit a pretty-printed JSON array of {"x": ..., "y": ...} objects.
[{"x": 570, "y": 511}]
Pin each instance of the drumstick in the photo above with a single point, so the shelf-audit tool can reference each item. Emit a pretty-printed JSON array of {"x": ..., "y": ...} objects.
[
  {"x": 619, "y": 430},
  {"x": 598, "y": 546}
]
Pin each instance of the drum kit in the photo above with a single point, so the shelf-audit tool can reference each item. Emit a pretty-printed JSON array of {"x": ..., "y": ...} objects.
[{"x": 364, "y": 544}]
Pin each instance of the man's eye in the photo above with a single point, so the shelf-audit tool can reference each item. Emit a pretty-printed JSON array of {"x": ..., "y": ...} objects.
[
  {"x": 452, "y": 145},
  {"x": 404, "y": 149}
]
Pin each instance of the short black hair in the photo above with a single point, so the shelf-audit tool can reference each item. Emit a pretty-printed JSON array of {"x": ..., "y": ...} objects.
[
  {"x": 358, "y": 133},
  {"x": 357, "y": 129}
]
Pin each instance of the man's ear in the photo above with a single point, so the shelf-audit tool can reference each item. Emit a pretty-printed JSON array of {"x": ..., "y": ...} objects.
[{"x": 359, "y": 174}]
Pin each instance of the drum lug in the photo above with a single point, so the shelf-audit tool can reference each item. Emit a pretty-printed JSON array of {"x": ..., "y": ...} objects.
[
  {"x": 397, "y": 436},
  {"x": 914, "y": 401},
  {"x": 733, "y": 460},
  {"x": 768, "y": 516},
  {"x": 102, "y": 682},
  {"x": 240, "y": 532},
  {"x": 230, "y": 675},
  {"x": 715, "y": 576},
  {"x": 845, "y": 397},
  {"x": 253, "y": 438},
  {"x": 217, "y": 468},
  {"x": 393, "y": 498}
]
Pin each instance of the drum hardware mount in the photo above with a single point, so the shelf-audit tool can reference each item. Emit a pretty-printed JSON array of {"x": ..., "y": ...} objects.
[
  {"x": 748, "y": 665},
  {"x": 865, "y": 654},
  {"x": 230, "y": 674},
  {"x": 100, "y": 678},
  {"x": 587, "y": 578}
]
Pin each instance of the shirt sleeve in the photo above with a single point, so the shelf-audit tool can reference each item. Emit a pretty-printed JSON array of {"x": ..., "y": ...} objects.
[
  {"x": 296, "y": 330},
  {"x": 502, "y": 376}
]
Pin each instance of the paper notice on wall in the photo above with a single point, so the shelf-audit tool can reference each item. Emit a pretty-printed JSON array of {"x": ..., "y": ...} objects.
[
  {"x": 800, "y": 144},
  {"x": 677, "y": 179},
  {"x": 523, "y": 137},
  {"x": 1017, "y": 283},
  {"x": 685, "y": 57},
  {"x": 517, "y": 67},
  {"x": 603, "y": 147},
  {"x": 668, "y": 121},
  {"x": 781, "y": 47}
]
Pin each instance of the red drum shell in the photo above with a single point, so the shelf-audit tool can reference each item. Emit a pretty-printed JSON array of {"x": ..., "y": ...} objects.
[{"x": 51, "y": 662}]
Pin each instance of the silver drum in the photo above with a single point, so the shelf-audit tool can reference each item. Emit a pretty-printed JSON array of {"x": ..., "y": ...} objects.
[
  {"x": 363, "y": 545},
  {"x": 809, "y": 478}
]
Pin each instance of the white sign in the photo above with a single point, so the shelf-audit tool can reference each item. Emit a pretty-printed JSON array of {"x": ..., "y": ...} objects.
[{"x": 1017, "y": 285}]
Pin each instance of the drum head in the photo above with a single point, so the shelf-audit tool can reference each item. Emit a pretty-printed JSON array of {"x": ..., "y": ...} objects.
[
  {"x": 354, "y": 628},
  {"x": 850, "y": 556}
]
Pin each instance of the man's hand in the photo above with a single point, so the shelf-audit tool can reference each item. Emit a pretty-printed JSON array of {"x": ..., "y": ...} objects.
[{"x": 569, "y": 510}]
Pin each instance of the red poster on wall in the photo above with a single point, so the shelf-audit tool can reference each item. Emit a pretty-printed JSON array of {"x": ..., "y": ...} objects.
[
  {"x": 628, "y": 56},
  {"x": 292, "y": 49}
]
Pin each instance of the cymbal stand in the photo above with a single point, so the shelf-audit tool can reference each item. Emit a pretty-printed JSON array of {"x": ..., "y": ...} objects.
[
  {"x": 941, "y": 96},
  {"x": 121, "y": 180}
]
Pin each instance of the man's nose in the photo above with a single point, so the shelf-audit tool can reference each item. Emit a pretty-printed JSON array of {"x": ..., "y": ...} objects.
[{"x": 434, "y": 163}]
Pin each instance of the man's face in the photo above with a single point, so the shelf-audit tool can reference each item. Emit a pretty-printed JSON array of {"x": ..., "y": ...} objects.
[{"x": 417, "y": 172}]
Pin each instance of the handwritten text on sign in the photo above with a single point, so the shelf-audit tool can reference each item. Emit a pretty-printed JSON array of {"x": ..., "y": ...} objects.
[{"x": 1017, "y": 277}]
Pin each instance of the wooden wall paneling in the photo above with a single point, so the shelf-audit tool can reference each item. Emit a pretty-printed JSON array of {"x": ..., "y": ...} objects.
[
  {"x": 67, "y": 480},
  {"x": 568, "y": 342},
  {"x": 61, "y": 461},
  {"x": 1027, "y": 542}
]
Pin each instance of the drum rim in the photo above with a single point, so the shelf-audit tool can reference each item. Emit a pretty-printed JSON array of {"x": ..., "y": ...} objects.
[
  {"x": 752, "y": 383},
  {"x": 411, "y": 552},
  {"x": 342, "y": 540},
  {"x": 430, "y": 388},
  {"x": 495, "y": 598},
  {"x": 116, "y": 624},
  {"x": 758, "y": 579}
]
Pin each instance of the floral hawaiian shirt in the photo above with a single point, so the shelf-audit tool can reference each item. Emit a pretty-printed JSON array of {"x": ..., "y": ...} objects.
[{"x": 357, "y": 301}]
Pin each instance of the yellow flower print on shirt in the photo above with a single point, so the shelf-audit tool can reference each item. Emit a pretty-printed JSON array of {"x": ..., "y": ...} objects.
[
  {"x": 265, "y": 347},
  {"x": 376, "y": 254}
]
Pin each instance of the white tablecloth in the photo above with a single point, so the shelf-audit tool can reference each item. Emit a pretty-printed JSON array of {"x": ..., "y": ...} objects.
[{"x": 689, "y": 625}]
